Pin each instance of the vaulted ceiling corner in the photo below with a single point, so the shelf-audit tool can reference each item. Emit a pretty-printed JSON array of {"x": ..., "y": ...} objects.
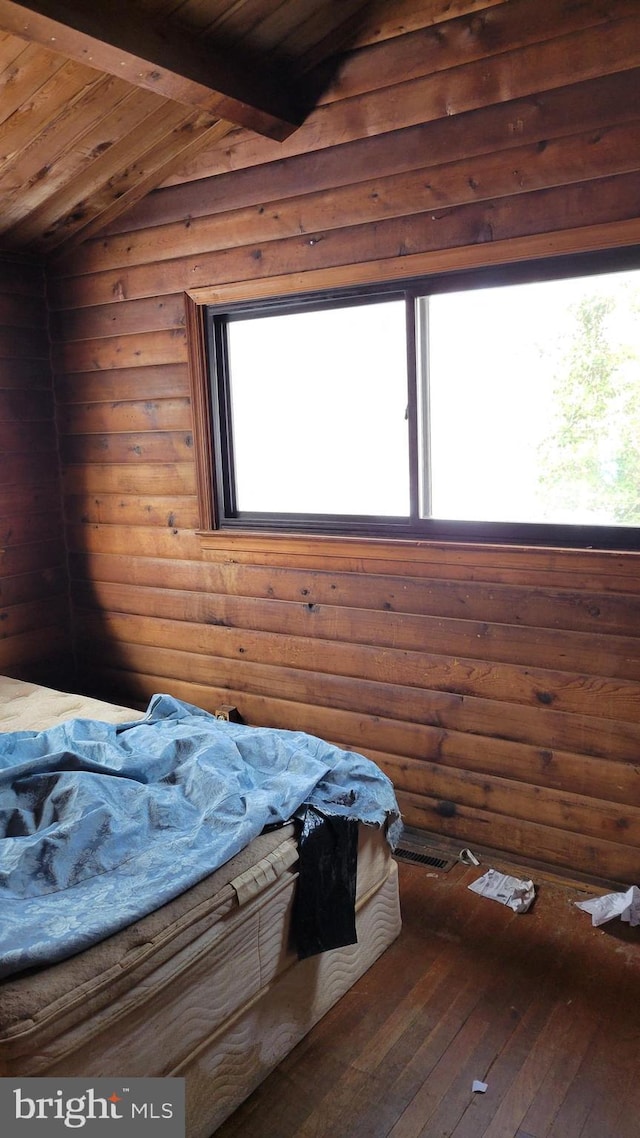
[{"x": 100, "y": 101}]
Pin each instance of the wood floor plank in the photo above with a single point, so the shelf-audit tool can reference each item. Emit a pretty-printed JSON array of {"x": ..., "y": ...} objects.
[
  {"x": 542, "y": 1007},
  {"x": 503, "y": 1005},
  {"x": 591, "y": 1081},
  {"x": 629, "y": 1113},
  {"x": 420, "y": 1110},
  {"x": 606, "y": 1111},
  {"x": 555, "y": 1036},
  {"x": 566, "y": 1063},
  {"x": 501, "y": 1075}
]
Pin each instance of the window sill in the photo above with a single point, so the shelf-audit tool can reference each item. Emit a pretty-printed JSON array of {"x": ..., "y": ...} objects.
[{"x": 413, "y": 556}]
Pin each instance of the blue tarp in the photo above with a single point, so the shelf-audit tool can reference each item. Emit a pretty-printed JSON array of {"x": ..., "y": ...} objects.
[{"x": 100, "y": 823}]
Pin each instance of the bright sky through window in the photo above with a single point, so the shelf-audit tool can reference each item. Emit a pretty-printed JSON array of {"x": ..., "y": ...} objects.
[
  {"x": 499, "y": 361},
  {"x": 319, "y": 411}
]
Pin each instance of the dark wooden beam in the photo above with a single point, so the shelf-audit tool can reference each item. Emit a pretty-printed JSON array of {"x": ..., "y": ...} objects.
[{"x": 104, "y": 35}]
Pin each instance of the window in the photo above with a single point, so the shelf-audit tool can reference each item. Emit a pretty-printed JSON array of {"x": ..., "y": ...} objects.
[
  {"x": 481, "y": 407},
  {"x": 321, "y": 393}
]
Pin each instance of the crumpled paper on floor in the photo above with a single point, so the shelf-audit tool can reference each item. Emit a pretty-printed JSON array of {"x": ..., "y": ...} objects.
[
  {"x": 625, "y": 905},
  {"x": 511, "y": 891}
]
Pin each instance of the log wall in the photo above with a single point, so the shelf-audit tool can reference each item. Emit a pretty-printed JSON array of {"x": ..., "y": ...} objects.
[
  {"x": 34, "y": 601},
  {"x": 500, "y": 688}
]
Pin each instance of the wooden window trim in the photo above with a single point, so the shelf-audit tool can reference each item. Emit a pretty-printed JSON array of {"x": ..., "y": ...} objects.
[
  {"x": 414, "y": 556},
  {"x": 201, "y": 409},
  {"x": 590, "y": 239}
]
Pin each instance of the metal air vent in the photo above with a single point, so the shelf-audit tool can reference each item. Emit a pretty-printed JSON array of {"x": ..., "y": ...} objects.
[{"x": 416, "y": 847}]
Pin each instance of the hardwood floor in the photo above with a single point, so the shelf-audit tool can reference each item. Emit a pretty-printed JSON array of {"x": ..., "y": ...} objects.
[{"x": 541, "y": 1006}]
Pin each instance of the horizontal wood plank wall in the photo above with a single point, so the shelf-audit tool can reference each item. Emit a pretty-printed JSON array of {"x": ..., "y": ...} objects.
[
  {"x": 500, "y": 689},
  {"x": 35, "y": 639}
]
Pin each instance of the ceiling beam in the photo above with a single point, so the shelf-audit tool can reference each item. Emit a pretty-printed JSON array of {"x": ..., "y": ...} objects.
[{"x": 105, "y": 35}]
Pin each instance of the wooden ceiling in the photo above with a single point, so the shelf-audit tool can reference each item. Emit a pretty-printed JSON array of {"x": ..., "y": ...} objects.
[{"x": 99, "y": 101}]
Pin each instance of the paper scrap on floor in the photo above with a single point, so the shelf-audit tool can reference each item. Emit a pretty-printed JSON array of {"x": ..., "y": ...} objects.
[
  {"x": 625, "y": 905},
  {"x": 511, "y": 891}
]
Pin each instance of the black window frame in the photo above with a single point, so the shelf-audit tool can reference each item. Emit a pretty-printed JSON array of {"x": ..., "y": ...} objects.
[{"x": 229, "y": 518}]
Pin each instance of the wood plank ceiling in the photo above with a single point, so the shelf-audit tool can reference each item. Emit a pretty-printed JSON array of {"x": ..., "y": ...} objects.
[{"x": 99, "y": 102}]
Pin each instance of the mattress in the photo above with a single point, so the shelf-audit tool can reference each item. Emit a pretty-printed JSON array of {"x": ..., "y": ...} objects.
[
  {"x": 209, "y": 986},
  {"x": 31, "y": 707}
]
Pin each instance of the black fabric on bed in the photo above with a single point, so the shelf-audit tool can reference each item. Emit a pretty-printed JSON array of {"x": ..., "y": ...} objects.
[{"x": 324, "y": 908}]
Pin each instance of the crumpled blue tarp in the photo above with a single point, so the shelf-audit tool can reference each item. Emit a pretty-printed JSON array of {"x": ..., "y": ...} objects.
[{"x": 100, "y": 823}]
